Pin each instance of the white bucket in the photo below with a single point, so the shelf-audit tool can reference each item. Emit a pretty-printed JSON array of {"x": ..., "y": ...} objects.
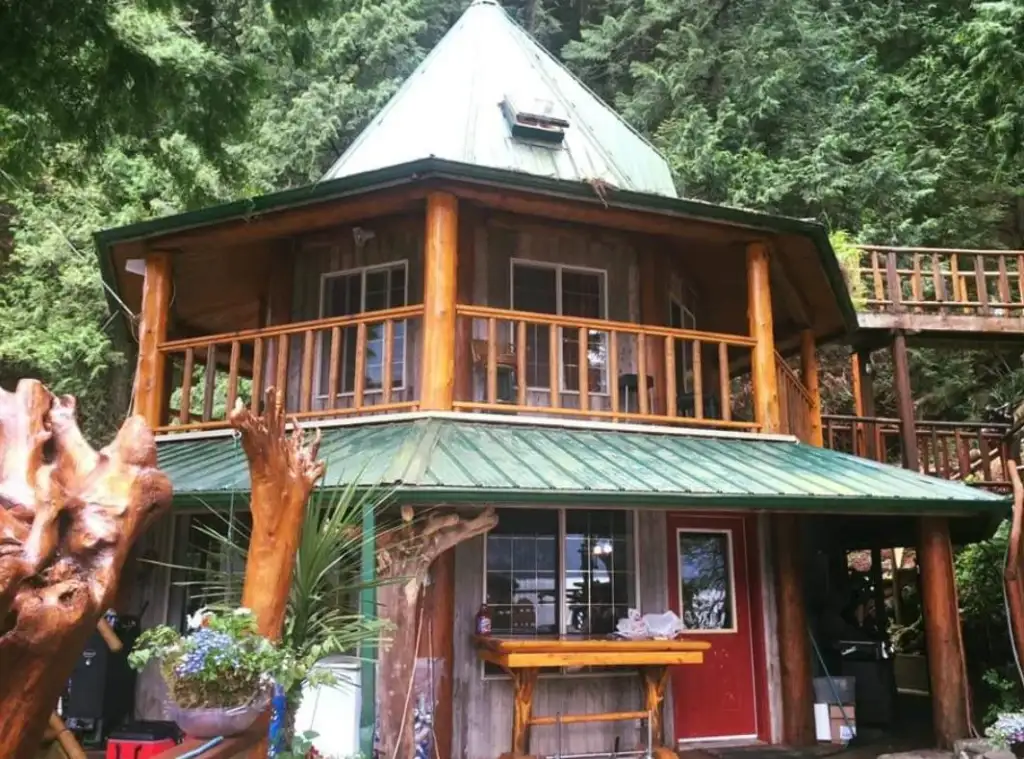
[{"x": 332, "y": 712}]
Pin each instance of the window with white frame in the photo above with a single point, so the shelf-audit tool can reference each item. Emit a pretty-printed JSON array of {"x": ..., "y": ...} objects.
[
  {"x": 560, "y": 571},
  {"x": 681, "y": 317},
  {"x": 360, "y": 291},
  {"x": 563, "y": 291}
]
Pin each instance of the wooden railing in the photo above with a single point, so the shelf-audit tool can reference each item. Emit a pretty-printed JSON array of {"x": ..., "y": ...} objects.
[
  {"x": 972, "y": 452},
  {"x": 518, "y": 357},
  {"x": 795, "y": 405},
  {"x": 942, "y": 281},
  {"x": 331, "y": 367}
]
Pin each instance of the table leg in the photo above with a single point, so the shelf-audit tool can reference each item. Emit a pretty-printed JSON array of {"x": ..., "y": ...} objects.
[
  {"x": 524, "y": 681},
  {"x": 655, "y": 679}
]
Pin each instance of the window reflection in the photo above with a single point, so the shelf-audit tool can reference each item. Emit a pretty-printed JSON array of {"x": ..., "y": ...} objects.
[{"x": 705, "y": 579}]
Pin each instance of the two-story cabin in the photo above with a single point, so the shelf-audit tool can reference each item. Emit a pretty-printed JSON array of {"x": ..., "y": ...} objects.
[{"x": 496, "y": 297}]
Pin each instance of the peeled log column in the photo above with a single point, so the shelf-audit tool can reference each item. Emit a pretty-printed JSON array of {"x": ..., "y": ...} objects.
[{"x": 68, "y": 517}]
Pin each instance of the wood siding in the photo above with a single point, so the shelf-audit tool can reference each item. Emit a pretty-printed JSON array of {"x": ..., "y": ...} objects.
[{"x": 482, "y": 714}]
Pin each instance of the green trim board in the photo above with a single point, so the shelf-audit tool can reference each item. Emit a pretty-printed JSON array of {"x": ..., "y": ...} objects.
[
  {"x": 436, "y": 169},
  {"x": 483, "y": 459}
]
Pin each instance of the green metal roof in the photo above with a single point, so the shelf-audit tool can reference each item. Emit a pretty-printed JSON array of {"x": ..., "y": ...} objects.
[
  {"x": 441, "y": 458},
  {"x": 449, "y": 108}
]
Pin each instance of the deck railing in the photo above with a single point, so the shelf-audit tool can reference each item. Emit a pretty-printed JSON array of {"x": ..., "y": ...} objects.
[
  {"x": 330, "y": 367},
  {"x": 518, "y": 357},
  {"x": 795, "y": 405},
  {"x": 942, "y": 281},
  {"x": 973, "y": 452}
]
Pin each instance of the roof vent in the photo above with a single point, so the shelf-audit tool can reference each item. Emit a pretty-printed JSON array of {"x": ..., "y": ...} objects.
[{"x": 535, "y": 119}]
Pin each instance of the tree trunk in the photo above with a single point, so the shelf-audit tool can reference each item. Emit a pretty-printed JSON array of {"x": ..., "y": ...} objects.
[
  {"x": 69, "y": 518},
  {"x": 403, "y": 562}
]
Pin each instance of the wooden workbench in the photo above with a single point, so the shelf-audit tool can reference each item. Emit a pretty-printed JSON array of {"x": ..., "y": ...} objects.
[{"x": 523, "y": 658}]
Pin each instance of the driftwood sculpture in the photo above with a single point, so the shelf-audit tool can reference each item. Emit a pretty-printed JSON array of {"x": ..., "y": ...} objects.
[
  {"x": 403, "y": 561},
  {"x": 68, "y": 517}
]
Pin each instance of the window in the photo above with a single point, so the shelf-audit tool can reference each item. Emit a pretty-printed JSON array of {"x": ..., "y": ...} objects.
[
  {"x": 705, "y": 580},
  {"x": 563, "y": 291},
  {"x": 554, "y": 572},
  {"x": 681, "y": 317},
  {"x": 360, "y": 291}
]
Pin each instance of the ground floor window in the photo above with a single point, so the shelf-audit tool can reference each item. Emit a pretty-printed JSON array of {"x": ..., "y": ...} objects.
[{"x": 560, "y": 571}]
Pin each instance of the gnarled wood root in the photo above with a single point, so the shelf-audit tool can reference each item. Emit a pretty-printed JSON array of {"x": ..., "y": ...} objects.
[{"x": 68, "y": 517}]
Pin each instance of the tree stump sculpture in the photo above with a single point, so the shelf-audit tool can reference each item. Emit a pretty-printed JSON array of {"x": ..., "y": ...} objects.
[
  {"x": 403, "y": 561},
  {"x": 69, "y": 515}
]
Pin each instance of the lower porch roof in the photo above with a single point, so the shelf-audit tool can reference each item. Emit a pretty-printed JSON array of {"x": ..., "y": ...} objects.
[{"x": 451, "y": 458}]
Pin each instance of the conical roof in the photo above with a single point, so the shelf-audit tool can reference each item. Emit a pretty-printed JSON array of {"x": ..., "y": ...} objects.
[{"x": 491, "y": 96}]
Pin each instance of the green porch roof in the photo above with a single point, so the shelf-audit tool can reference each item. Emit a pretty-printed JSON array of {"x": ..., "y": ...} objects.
[{"x": 440, "y": 458}]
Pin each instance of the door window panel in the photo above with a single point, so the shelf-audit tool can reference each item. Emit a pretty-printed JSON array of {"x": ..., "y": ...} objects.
[{"x": 706, "y": 591}]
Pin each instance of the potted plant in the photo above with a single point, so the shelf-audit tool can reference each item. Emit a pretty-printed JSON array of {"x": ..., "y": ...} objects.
[
  {"x": 1008, "y": 732},
  {"x": 219, "y": 675}
]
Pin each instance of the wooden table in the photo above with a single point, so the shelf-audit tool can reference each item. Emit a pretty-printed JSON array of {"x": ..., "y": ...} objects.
[{"x": 523, "y": 659}]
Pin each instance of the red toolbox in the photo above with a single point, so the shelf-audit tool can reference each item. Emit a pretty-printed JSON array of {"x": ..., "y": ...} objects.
[{"x": 143, "y": 740}]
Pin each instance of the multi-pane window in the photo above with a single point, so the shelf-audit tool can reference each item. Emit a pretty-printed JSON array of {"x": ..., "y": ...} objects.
[
  {"x": 564, "y": 291},
  {"x": 359, "y": 291},
  {"x": 554, "y": 572}
]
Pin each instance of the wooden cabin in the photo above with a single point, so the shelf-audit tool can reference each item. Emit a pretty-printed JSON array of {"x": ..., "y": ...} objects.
[{"x": 496, "y": 297}]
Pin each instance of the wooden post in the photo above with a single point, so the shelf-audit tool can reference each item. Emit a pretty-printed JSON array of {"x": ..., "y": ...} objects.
[
  {"x": 150, "y": 372},
  {"x": 438, "y": 643},
  {"x": 904, "y": 401},
  {"x": 654, "y": 312},
  {"x": 809, "y": 375},
  {"x": 864, "y": 401},
  {"x": 942, "y": 631},
  {"x": 794, "y": 647},
  {"x": 440, "y": 272},
  {"x": 759, "y": 312}
]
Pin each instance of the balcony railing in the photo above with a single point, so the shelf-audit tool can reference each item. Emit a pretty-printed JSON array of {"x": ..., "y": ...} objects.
[
  {"x": 976, "y": 453},
  {"x": 942, "y": 281},
  {"x": 632, "y": 372},
  {"x": 795, "y": 406},
  {"x": 331, "y": 367}
]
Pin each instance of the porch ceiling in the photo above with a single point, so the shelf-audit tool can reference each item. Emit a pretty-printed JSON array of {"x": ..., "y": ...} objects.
[{"x": 442, "y": 458}]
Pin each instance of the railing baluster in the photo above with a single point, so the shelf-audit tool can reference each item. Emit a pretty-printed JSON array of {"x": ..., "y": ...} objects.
[
  {"x": 938, "y": 281},
  {"x": 830, "y": 435},
  {"x": 962, "y": 454},
  {"x": 876, "y": 271},
  {"x": 613, "y": 370},
  {"x": 334, "y": 369},
  {"x": 583, "y": 359},
  {"x": 698, "y": 381},
  {"x": 671, "y": 397},
  {"x": 209, "y": 381},
  {"x": 185, "y": 412},
  {"x": 986, "y": 458},
  {"x": 360, "y": 379},
  {"x": 257, "y": 375},
  {"x": 281, "y": 381},
  {"x": 554, "y": 373},
  {"x": 893, "y": 278},
  {"x": 1004, "y": 282},
  {"x": 946, "y": 471},
  {"x": 521, "y": 362},
  {"x": 1020, "y": 279},
  {"x": 492, "y": 360},
  {"x": 954, "y": 275},
  {"x": 935, "y": 450},
  {"x": 723, "y": 382},
  {"x": 641, "y": 379},
  {"x": 916, "y": 283},
  {"x": 306, "y": 383},
  {"x": 236, "y": 354},
  {"x": 386, "y": 381},
  {"x": 979, "y": 277}
]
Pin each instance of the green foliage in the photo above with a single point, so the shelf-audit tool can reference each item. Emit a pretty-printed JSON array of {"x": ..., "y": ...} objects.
[{"x": 849, "y": 256}]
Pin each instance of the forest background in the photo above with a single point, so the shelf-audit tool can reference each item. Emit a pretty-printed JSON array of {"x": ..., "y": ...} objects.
[{"x": 890, "y": 121}]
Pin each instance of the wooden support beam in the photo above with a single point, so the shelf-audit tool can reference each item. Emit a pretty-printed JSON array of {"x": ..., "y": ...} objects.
[
  {"x": 440, "y": 273},
  {"x": 905, "y": 401},
  {"x": 794, "y": 647},
  {"x": 438, "y": 643},
  {"x": 759, "y": 312},
  {"x": 809, "y": 376},
  {"x": 150, "y": 371},
  {"x": 654, "y": 311},
  {"x": 942, "y": 631}
]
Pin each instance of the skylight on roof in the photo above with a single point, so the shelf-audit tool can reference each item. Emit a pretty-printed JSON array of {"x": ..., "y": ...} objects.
[{"x": 535, "y": 119}]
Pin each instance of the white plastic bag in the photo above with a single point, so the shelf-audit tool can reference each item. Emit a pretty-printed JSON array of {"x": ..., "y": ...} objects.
[{"x": 664, "y": 626}]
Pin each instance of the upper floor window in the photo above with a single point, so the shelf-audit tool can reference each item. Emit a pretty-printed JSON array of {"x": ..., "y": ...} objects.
[
  {"x": 563, "y": 291},
  {"x": 360, "y": 291}
]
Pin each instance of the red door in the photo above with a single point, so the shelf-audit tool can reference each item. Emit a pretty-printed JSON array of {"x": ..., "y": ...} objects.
[{"x": 711, "y": 591}]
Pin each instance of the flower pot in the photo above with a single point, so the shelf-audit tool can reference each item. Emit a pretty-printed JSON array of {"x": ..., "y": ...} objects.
[
  {"x": 1017, "y": 749},
  {"x": 204, "y": 722}
]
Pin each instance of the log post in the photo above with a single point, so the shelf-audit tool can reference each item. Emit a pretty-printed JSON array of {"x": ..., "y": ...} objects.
[
  {"x": 439, "y": 644},
  {"x": 150, "y": 372},
  {"x": 905, "y": 402},
  {"x": 942, "y": 631},
  {"x": 794, "y": 647},
  {"x": 653, "y": 311},
  {"x": 440, "y": 273},
  {"x": 759, "y": 312},
  {"x": 809, "y": 375}
]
